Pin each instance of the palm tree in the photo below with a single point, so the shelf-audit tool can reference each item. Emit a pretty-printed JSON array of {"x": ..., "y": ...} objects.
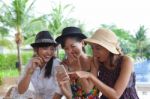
[
  {"x": 142, "y": 43},
  {"x": 18, "y": 17},
  {"x": 4, "y": 42},
  {"x": 59, "y": 18}
]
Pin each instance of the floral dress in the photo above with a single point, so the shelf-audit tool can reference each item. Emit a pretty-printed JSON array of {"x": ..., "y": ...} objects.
[{"x": 79, "y": 93}]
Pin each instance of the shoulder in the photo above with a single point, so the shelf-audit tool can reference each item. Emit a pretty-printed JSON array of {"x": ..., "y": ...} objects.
[
  {"x": 127, "y": 62},
  {"x": 127, "y": 59},
  {"x": 56, "y": 61}
]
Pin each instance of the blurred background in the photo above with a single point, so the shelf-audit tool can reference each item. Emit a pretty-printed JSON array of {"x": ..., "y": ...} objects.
[{"x": 20, "y": 20}]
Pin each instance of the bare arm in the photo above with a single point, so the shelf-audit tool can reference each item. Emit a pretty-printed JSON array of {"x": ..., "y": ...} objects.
[
  {"x": 121, "y": 83},
  {"x": 24, "y": 84},
  {"x": 64, "y": 84},
  {"x": 25, "y": 81},
  {"x": 87, "y": 84}
]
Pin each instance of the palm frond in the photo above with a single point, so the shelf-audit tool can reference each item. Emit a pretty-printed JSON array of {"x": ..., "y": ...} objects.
[
  {"x": 30, "y": 7},
  {"x": 6, "y": 43}
]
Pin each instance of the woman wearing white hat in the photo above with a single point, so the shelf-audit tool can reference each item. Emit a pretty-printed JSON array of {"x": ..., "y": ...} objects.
[{"x": 116, "y": 79}]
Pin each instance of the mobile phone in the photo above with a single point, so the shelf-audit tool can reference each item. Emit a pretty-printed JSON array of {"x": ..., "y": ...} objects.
[{"x": 61, "y": 69}]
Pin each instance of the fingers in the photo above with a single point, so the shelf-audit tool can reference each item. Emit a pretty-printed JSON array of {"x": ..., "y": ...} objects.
[
  {"x": 70, "y": 58},
  {"x": 62, "y": 77},
  {"x": 78, "y": 74},
  {"x": 34, "y": 63},
  {"x": 37, "y": 61}
]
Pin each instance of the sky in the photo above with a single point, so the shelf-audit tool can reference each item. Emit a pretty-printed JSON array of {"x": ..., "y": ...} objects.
[{"x": 126, "y": 14}]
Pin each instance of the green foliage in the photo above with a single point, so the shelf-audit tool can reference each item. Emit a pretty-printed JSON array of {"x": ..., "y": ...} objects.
[
  {"x": 1, "y": 80},
  {"x": 9, "y": 73},
  {"x": 8, "y": 61},
  {"x": 137, "y": 46},
  {"x": 142, "y": 43},
  {"x": 88, "y": 50},
  {"x": 26, "y": 56},
  {"x": 19, "y": 16},
  {"x": 59, "y": 18},
  {"x": 6, "y": 43},
  {"x": 124, "y": 37},
  {"x": 61, "y": 54},
  {"x": 3, "y": 32}
]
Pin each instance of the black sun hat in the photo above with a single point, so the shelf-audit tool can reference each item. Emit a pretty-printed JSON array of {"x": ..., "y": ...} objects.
[
  {"x": 43, "y": 38},
  {"x": 70, "y": 31}
]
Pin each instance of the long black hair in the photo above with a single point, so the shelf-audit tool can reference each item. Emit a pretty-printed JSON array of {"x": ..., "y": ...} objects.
[{"x": 48, "y": 67}]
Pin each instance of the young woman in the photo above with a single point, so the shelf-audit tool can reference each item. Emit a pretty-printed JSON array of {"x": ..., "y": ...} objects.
[
  {"x": 116, "y": 79},
  {"x": 40, "y": 71},
  {"x": 71, "y": 41}
]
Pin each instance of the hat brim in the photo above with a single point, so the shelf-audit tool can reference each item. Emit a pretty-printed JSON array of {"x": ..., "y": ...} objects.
[
  {"x": 59, "y": 39},
  {"x": 108, "y": 46},
  {"x": 43, "y": 44}
]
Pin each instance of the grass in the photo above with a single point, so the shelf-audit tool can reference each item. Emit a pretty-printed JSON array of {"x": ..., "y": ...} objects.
[{"x": 9, "y": 73}]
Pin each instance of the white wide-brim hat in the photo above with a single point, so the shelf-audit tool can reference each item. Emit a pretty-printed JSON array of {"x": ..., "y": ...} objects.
[{"x": 105, "y": 38}]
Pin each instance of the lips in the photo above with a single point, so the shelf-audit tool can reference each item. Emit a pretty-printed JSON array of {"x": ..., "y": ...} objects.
[
  {"x": 46, "y": 58},
  {"x": 99, "y": 58}
]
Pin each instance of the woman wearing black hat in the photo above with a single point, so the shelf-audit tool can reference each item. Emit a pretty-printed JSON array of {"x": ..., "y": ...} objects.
[
  {"x": 71, "y": 41},
  {"x": 40, "y": 71}
]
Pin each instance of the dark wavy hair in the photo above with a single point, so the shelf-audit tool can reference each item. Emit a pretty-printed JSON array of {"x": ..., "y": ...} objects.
[{"x": 48, "y": 68}]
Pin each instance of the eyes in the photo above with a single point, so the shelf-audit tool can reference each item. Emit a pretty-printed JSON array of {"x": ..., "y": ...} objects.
[
  {"x": 96, "y": 47},
  {"x": 49, "y": 48},
  {"x": 72, "y": 46}
]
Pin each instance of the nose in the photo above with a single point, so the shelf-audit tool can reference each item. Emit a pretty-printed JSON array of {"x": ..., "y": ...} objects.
[
  {"x": 69, "y": 51},
  {"x": 50, "y": 51},
  {"x": 95, "y": 52}
]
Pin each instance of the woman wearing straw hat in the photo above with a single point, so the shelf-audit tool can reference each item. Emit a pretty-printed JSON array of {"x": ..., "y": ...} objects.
[
  {"x": 116, "y": 79},
  {"x": 40, "y": 71},
  {"x": 71, "y": 41}
]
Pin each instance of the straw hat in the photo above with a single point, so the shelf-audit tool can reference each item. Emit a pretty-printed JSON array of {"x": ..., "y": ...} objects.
[{"x": 106, "y": 39}]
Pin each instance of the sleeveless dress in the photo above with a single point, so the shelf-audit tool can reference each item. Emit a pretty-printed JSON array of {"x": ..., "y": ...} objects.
[
  {"x": 78, "y": 91},
  {"x": 109, "y": 77}
]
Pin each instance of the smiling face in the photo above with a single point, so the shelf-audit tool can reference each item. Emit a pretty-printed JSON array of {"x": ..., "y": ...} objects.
[
  {"x": 73, "y": 47},
  {"x": 46, "y": 53},
  {"x": 99, "y": 52}
]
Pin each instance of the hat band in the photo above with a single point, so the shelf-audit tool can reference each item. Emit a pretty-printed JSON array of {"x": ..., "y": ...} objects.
[{"x": 45, "y": 41}]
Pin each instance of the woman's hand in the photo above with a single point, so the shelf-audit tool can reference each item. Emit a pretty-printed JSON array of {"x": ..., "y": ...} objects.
[
  {"x": 73, "y": 60},
  {"x": 80, "y": 74},
  {"x": 33, "y": 64},
  {"x": 84, "y": 78},
  {"x": 64, "y": 83}
]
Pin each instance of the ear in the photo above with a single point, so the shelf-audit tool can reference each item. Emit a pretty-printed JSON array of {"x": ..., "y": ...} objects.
[
  {"x": 83, "y": 43},
  {"x": 35, "y": 52}
]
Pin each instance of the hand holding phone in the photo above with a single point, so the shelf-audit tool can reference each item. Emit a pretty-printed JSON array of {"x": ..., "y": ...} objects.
[{"x": 61, "y": 70}]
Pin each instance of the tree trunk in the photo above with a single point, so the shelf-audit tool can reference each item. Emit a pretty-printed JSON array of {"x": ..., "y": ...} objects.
[
  {"x": 18, "y": 39},
  {"x": 19, "y": 58}
]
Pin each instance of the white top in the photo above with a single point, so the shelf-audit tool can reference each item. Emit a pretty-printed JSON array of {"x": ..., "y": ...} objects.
[{"x": 44, "y": 88}]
